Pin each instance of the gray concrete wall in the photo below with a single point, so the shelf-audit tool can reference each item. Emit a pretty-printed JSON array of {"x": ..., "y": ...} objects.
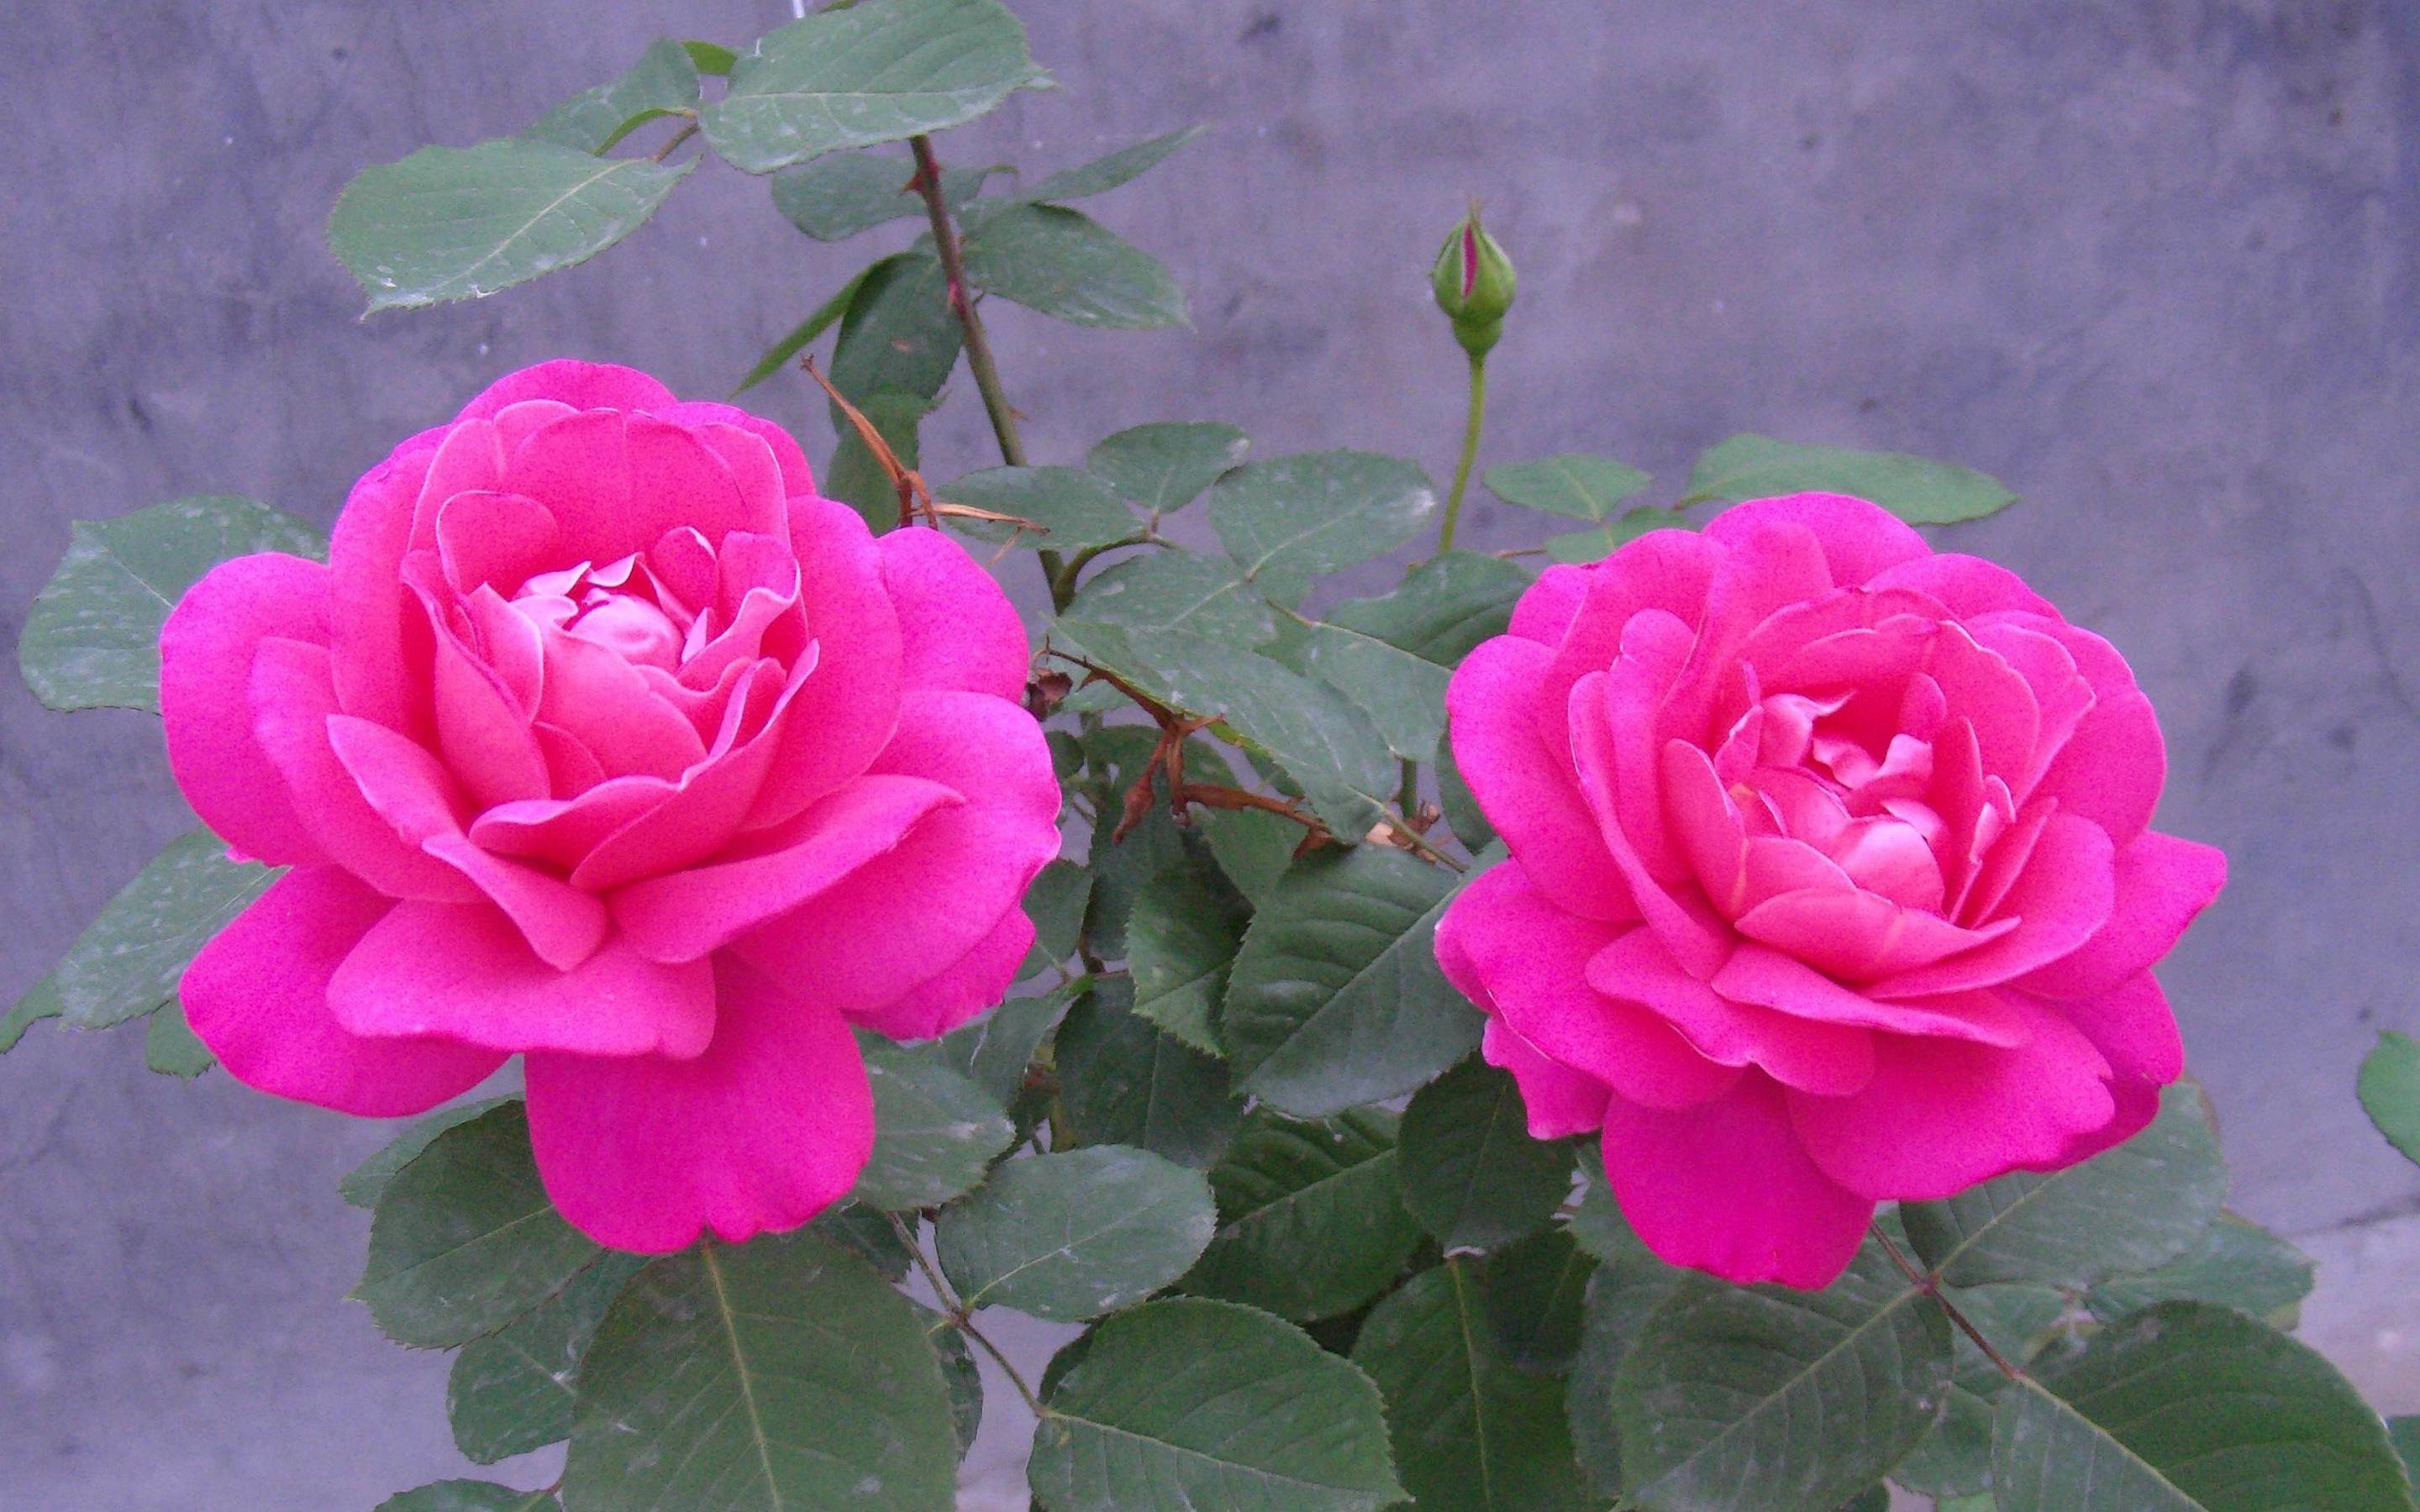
[{"x": 2152, "y": 263}]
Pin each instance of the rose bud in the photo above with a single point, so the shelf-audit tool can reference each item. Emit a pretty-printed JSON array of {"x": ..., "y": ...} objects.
[{"x": 1473, "y": 281}]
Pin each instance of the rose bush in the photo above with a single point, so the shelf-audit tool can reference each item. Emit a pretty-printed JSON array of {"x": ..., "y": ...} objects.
[
  {"x": 601, "y": 738},
  {"x": 1830, "y": 881}
]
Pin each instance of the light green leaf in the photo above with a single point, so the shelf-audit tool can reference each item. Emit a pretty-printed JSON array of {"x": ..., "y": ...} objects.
[
  {"x": 1064, "y": 264},
  {"x": 2390, "y": 1090},
  {"x": 2186, "y": 1406},
  {"x": 464, "y": 1240},
  {"x": 995, "y": 1049},
  {"x": 128, "y": 959},
  {"x": 1583, "y": 547},
  {"x": 1181, "y": 940},
  {"x": 662, "y": 83},
  {"x": 1176, "y": 591},
  {"x": 170, "y": 1046},
  {"x": 1252, "y": 847},
  {"x": 92, "y": 639},
  {"x": 1470, "y": 1172},
  {"x": 463, "y": 223},
  {"x": 934, "y": 1130},
  {"x": 1056, "y": 903},
  {"x": 1573, "y": 484},
  {"x": 1187, "y": 1403},
  {"x": 363, "y": 1185},
  {"x": 2236, "y": 1264},
  {"x": 1076, "y": 508},
  {"x": 1108, "y": 171},
  {"x": 803, "y": 335},
  {"x": 1336, "y": 998},
  {"x": 781, "y": 1374},
  {"x": 1916, "y": 490},
  {"x": 1125, "y": 1083},
  {"x": 2138, "y": 1206},
  {"x": 834, "y": 198},
  {"x": 1070, "y": 1236},
  {"x": 511, "y": 1392},
  {"x": 1470, "y": 1430},
  {"x": 710, "y": 57},
  {"x": 1311, "y": 1220},
  {"x": 1162, "y": 468},
  {"x": 1765, "y": 1397},
  {"x": 1293, "y": 519},
  {"x": 468, "y": 1496},
  {"x": 870, "y": 73}
]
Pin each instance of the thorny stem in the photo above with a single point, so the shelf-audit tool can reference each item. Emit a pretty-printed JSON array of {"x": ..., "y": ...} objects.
[
  {"x": 687, "y": 131},
  {"x": 1033, "y": 1403},
  {"x": 1926, "y": 1282},
  {"x": 960, "y": 1315},
  {"x": 1471, "y": 428}
]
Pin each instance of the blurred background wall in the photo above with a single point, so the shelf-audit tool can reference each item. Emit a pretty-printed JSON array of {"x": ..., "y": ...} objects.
[{"x": 2152, "y": 262}]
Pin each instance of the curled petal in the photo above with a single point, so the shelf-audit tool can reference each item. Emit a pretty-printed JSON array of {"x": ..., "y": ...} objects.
[
  {"x": 1556, "y": 1101},
  {"x": 957, "y": 629},
  {"x": 2162, "y": 882},
  {"x": 1524, "y": 788},
  {"x": 206, "y": 655}
]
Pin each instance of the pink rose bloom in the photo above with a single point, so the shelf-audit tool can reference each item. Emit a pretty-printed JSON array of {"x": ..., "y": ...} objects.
[
  {"x": 1830, "y": 880},
  {"x": 602, "y": 739}
]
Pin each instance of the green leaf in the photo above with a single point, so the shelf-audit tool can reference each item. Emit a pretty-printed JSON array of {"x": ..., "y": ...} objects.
[
  {"x": 1573, "y": 484},
  {"x": 960, "y": 1375},
  {"x": 129, "y": 958},
  {"x": 463, "y": 223},
  {"x": 803, "y": 335},
  {"x": 1470, "y": 1430},
  {"x": 1470, "y": 1172},
  {"x": 934, "y": 1130},
  {"x": 710, "y": 57},
  {"x": 1623, "y": 1291},
  {"x": 1252, "y": 847},
  {"x": 1176, "y": 591},
  {"x": 865, "y": 1233},
  {"x": 1064, "y": 264},
  {"x": 464, "y": 1241},
  {"x": 2236, "y": 1264},
  {"x": 170, "y": 1046},
  {"x": 781, "y": 1374},
  {"x": 2189, "y": 1406},
  {"x": 1916, "y": 490},
  {"x": 1582, "y": 547},
  {"x": 1056, "y": 903},
  {"x": 1336, "y": 998},
  {"x": 2138, "y": 1206},
  {"x": 1293, "y": 519},
  {"x": 1074, "y": 507},
  {"x": 468, "y": 1496},
  {"x": 2404, "y": 1432},
  {"x": 995, "y": 1049},
  {"x": 511, "y": 1392},
  {"x": 1187, "y": 1403},
  {"x": 1767, "y": 1397},
  {"x": 92, "y": 639},
  {"x": 855, "y": 478},
  {"x": 1162, "y": 468},
  {"x": 1533, "y": 1294},
  {"x": 1955, "y": 1458},
  {"x": 1125, "y": 1083},
  {"x": 870, "y": 73},
  {"x": 1463, "y": 814},
  {"x": 834, "y": 198},
  {"x": 662, "y": 83},
  {"x": 1108, "y": 171},
  {"x": 367, "y": 1182},
  {"x": 41, "y": 1001},
  {"x": 1311, "y": 1220},
  {"x": 898, "y": 336},
  {"x": 1181, "y": 940},
  {"x": 1071, "y": 1236},
  {"x": 2390, "y": 1090}
]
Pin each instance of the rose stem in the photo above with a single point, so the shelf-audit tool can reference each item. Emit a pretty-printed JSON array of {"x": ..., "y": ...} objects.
[
  {"x": 1925, "y": 1282},
  {"x": 1471, "y": 428},
  {"x": 961, "y": 1316}
]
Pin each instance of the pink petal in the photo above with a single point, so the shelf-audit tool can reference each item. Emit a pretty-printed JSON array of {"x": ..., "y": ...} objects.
[
  {"x": 1755, "y": 974},
  {"x": 1705, "y": 826},
  {"x": 1524, "y": 788},
  {"x": 1802, "y": 1053},
  {"x": 600, "y": 697},
  {"x": 206, "y": 655},
  {"x": 2113, "y": 767},
  {"x": 365, "y": 551},
  {"x": 497, "y": 539},
  {"x": 751, "y": 452},
  {"x": 845, "y": 713},
  {"x": 2064, "y": 897},
  {"x": 1528, "y": 961},
  {"x": 2162, "y": 884},
  {"x": 1558, "y": 1101},
  {"x": 1688, "y": 926},
  {"x": 1667, "y": 570},
  {"x": 763, "y": 1132},
  {"x": 2132, "y": 1028},
  {"x": 1966, "y": 586},
  {"x": 1858, "y": 936},
  {"x": 977, "y": 980},
  {"x": 258, "y": 995},
  {"x": 1860, "y": 540},
  {"x": 1725, "y": 1187},
  {"x": 481, "y": 728},
  {"x": 957, "y": 629},
  {"x": 1942, "y": 1115},
  {"x": 1547, "y": 606},
  {"x": 463, "y": 971},
  {"x": 580, "y": 385},
  {"x": 797, "y": 479}
]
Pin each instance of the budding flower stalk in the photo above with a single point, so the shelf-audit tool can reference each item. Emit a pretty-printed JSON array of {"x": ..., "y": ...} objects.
[{"x": 1473, "y": 283}]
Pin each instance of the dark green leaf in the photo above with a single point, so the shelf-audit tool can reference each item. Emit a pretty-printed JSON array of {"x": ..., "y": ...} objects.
[
  {"x": 898, "y": 336},
  {"x": 1071, "y": 1236},
  {"x": 1766, "y": 1398},
  {"x": 2236, "y": 1264},
  {"x": 854, "y": 77},
  {"x": 834, "y": 198},
  {"x": 1573, "y": 484},
  {"x": 2189, "y": 1406},
  {"x": 1622, "y": 1293},
  {"x": 129, "y": 958},
  {"x": 1187, "y": 1403},
  {"x": 855, "y": 478},
  {"x": 934, "y": 1130},
  {"x": 1916, "y": 490},
  {"x": 958, "y": 1373},
  {"x": 1125, "y": 1083},
  {"x": 1064, "y": 264},
  {"x": 1181, "y": 940},
  {"x": 2404, "y": 1432},
  {"x": 1336, "y": 998},
  {"x": 1955, "y": 1458},
  {"x": 1293, "y": 519},
  {"x": 364, "y": 1183},
  {"x": 779, "y": 1374},
  {"x": 2138, "y": 1206},
  {"x": 1178, "y": 590},
  {"x": 170, "y": 1046},
  {"x": 1310, "y": 1222},
  {"x": 1104, "y": 174},
  {"x": 1463, "y": 814},
  {"x": 511, "y": 1392},
  {"x": 1162, "y": 468},
  {"x": 1533, "y": 1294},
  {"x": 1470, "y": 1172},
  {"x": 41, "y": 1001},
  {"x": 92, "y": 639},
  {"x": 1056, "y": 903},
  {"x": 1252, "y": 847},
  {"x": 1076, "y": 508},
  {"x": 464, "y": 1241},
  {"x": 1581, "y": 546},
  {"x": 463, "y": 223},
  {"x": 866, "y": 1233},
  {"x": 662, "y": 82},
  {"x": 1470, "y": 1431},
  {"x": 803, "y": 335},
  {"x": 2390, "y": 1090},
  {"x": 995, "y": 1049},
  {"x": 468, "y": 1496}
]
